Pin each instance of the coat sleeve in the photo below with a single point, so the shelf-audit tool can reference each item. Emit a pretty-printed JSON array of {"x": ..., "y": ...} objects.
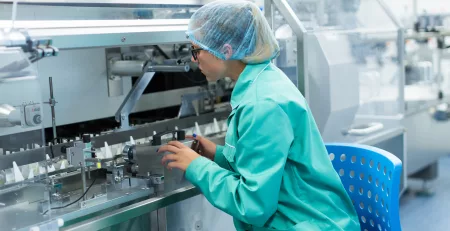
[
  {"x": 251, "y": 193},
  {"x": 219, "y": 158}
]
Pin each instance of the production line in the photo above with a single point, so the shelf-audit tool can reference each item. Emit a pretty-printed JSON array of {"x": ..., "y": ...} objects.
[{"x": 87, "y": 99}]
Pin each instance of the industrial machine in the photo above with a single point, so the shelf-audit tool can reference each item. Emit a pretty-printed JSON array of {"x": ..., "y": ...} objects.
[
  {"x": 90, "y": 90},
  {"x": 88, "y": 93}
]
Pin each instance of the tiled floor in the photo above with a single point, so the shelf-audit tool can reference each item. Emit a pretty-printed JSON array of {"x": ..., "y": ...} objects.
[{"x": 429, "y": 213}]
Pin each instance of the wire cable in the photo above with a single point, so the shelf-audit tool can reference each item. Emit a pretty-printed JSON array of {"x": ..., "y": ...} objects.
[{"x": 84, "y": 194}]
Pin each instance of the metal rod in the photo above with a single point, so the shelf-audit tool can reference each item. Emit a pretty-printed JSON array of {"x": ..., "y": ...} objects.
[
  {"x": 83, "y": 178},
  {"x": 168, "y": 68},
  {"x": 290, "y": 16},
  {"x": 402, "y": 79},
  {"x": 52, "y": 106},
  {"x": 390, "y": 14}
]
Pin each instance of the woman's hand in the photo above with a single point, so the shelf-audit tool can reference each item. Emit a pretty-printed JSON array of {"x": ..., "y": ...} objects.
[
  {"x": 206, "y": 147},
  {"x": 181, "y": 156}
]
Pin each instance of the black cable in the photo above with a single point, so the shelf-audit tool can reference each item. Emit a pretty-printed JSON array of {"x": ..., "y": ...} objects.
[{"x": 84, "y": 194}]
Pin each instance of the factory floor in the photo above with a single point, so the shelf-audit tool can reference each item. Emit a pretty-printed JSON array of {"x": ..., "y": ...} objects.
[{"x": 428, "y": 212}]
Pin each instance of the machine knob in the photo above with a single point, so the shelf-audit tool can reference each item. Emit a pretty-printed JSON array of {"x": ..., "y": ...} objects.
[{"x": 37, "y": 119}]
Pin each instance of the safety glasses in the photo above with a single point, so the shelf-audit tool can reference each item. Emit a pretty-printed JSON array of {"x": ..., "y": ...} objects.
[{"x": 195, "y": 52}]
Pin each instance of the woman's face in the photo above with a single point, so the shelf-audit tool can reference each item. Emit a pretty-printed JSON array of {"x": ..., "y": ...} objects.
[{"x": 212, "y": 67}]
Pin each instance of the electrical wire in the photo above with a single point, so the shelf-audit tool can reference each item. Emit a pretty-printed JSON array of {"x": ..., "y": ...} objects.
[{"x": 84, "y": 194}]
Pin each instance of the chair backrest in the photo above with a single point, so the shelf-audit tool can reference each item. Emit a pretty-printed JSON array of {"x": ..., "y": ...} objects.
[{"x": 371, "y": 177}]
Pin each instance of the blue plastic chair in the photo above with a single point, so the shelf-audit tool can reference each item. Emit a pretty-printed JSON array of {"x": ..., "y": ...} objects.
[{"x": 371, "y": 177}]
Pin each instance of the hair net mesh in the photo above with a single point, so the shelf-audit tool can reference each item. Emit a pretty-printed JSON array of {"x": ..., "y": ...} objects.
[{"x": 240, "y": 24}]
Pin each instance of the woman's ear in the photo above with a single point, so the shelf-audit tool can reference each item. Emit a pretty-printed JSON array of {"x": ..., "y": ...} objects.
[{"x": 227, "y": 50}]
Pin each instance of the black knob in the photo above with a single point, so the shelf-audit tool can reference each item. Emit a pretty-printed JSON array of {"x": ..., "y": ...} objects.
[{"x": 86, "y": 138}]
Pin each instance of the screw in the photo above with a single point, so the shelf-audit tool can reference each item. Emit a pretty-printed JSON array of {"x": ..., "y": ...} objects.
[
  {"x": 198, "y": 225},
  {"x": 123, "y": 39}
]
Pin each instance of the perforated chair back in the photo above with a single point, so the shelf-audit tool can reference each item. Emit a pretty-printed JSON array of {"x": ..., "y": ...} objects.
[{"x": 371, "y": 177}]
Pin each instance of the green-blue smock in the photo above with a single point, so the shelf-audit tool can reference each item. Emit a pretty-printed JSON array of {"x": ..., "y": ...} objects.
[{"x": 274, "y": 172}]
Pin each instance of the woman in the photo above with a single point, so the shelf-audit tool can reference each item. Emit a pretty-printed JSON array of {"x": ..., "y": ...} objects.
[{"x": 273, "y": 172}]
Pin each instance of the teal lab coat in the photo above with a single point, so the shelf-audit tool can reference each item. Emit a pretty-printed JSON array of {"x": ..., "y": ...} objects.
[{"x": 274, "y": 172}]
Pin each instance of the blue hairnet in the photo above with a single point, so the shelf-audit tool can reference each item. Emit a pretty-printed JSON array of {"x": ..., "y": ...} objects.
[{"x": 240, "y": 24}]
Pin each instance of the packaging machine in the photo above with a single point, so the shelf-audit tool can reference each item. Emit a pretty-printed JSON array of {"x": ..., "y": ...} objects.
[{"x": 89, "y": 91}]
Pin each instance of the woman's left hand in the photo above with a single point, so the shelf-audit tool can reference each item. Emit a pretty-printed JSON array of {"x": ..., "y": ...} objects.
[{"x": 181, "y": 155}]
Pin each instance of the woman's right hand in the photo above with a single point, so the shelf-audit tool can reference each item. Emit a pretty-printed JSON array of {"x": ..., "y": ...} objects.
[{"x": 206, "y": 147}]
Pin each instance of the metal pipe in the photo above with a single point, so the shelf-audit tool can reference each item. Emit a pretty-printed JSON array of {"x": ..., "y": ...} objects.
[
  {"x": 83, "y": 178},
  {"x": 127, "y": 68},
  {"x": 168, "y": 68}
]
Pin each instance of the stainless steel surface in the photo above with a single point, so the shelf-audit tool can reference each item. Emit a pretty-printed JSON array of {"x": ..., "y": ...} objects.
[
  {"x": 130, "y": 101},
  {"x": 112, "y": 3},
  {"x": 141, "y": 208},
  {"x": 70, "y": 34},
  {"x": 333, "y": 82},
  {"x": 427, "y": 139}
]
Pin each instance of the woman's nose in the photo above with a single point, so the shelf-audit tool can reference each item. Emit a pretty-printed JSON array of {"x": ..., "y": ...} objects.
[{"x": 193, "y": 60}]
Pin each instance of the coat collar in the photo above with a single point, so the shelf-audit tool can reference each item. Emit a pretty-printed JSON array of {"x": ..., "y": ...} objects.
[{"x": 248, "y": 76}]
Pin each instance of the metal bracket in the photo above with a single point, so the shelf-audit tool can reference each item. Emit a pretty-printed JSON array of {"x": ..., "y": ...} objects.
[
  {"x": 138, "y": 88},
  {"x": 189, "y": 103},
  {"x": 132, "y": 98}
]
